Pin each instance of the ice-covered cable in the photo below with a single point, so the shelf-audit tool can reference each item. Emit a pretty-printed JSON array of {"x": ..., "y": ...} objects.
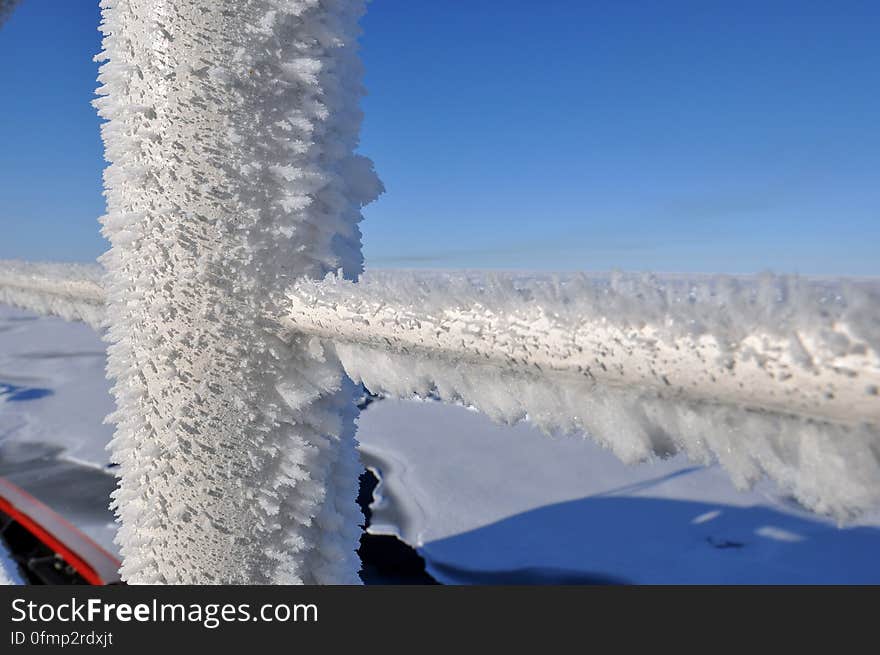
[
  {"x": 785, "y": 344},
  {"x": 776, "y": 343},
  {"x": 230, "y": 133},
  {"x": 770, "y": 376},
  {"x": 72, "y": 291}
]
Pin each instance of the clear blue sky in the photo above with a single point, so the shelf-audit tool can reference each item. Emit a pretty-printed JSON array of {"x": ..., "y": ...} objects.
[{"x": 549, "y": 135}]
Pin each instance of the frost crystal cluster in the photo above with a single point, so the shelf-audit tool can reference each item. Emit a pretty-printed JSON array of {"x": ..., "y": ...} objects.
[{"x": 230, "y": 133}]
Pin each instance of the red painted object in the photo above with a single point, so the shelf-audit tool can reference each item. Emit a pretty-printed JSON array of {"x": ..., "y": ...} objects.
[{"x": 93, "y": 563}]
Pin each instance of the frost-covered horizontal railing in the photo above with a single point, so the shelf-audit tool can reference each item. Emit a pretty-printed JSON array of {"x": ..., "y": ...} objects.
[
  {"x": 71, "y": 291},
  {"x": 772, "y": 343},
  {"x": 770, "y": 376},
  {"x": 780, "y": 344}
]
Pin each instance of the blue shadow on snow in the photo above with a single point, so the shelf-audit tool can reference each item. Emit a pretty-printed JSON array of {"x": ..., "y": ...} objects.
[
  {"x": 612, "y": 539},
  {"x": 15, "y": 394}
]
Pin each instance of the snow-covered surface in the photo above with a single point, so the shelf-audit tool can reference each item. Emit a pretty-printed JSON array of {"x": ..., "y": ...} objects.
[
  {"x": 486, "y": 503},
  {"x": 53, "y": 400},
  {"x": 52, "y": 382}
]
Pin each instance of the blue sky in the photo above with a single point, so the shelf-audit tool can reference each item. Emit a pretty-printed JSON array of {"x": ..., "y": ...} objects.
[{"x": 547, "y": 135}]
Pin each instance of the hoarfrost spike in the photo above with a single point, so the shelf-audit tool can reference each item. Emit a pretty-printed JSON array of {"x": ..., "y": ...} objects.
[{"x": 230, "y": 134}]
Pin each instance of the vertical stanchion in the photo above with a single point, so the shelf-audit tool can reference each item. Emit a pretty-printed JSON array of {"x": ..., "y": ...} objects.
[{"x": 230, "y": 133}]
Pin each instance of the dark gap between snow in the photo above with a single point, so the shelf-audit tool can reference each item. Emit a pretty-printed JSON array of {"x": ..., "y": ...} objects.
[{"x": 385, "y": 559}]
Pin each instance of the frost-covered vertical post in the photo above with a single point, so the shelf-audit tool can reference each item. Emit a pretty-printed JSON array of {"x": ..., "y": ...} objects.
[{"x": 230, "y": 132}]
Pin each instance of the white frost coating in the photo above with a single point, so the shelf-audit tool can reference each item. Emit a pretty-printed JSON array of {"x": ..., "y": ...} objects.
[
  {"x": 71, "y": 291},
  {"x": 773, "y": 343},
  {"x": 830, "y": 468},
  {"x": 784, "y": 344},
  {"x": 231, "y": 128},
  {"x": 773, "y": 377}
]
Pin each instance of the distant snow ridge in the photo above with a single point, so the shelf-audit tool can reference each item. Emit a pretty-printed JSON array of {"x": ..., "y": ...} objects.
[
  {"x": 71, "y": 291},
  {"x": 231, "y": 137}
]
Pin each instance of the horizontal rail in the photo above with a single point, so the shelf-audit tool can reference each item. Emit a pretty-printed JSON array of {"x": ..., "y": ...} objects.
[
  {"x": 769, "y": 345},
  {"x": 774, "y": 344},
  {"x": 72, "y": 291},
  {"x": 777, "y": 344},
  {"x": 770, "y": 376}
]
